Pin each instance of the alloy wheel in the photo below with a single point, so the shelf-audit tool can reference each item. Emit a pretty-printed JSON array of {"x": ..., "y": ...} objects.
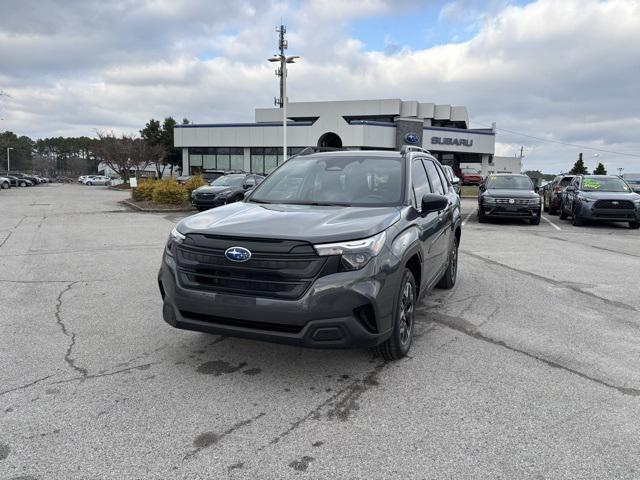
[{"x": 407, "y": 311}]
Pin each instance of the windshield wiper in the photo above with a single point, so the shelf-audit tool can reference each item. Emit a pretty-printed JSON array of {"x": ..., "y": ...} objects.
[
  {"x": 319, "y": 204},
  {"x": 253, "y": 200}
]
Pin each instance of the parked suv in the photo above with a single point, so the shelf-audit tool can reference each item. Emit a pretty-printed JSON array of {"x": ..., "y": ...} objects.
[
  {"x": 223, "y": 190},
  {"x": 553, "y": 193},
  {"x": 601, "y": 198},
  {"x": 506, "y": 195},
  {"x": 211, "y": 174},
  {"x": 330, "y": 250}
]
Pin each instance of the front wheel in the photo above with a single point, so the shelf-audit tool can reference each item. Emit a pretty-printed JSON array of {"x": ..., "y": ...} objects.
[
  {"x": 448, "y": 280},
  {"x": 481, "y": 216},
  {"x": 5, "y": 185},
  {"x": 89, "y": 183},
  {"x": 23, "y": 184},
  {"x": 634, "y": 225},
  {"x": 399, "y": 343}
]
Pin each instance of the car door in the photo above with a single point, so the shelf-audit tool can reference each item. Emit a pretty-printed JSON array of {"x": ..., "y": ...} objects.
[
  {"x": 429, "y": 225},
  {"x": 440, "y": 186},
  {"x": 570, "y": 196}
]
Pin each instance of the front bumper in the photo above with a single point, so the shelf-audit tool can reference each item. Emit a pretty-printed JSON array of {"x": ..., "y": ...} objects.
[
  {"x": 588, "y": 211},
  {"x": 337, "y": 310},
  {"x": 507, "y": 211},
  {"x": 208, "y": 203}
]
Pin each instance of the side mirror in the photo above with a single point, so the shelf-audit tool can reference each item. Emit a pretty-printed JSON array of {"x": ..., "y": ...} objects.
[
  {"x": 482, "y": 187},
  {"x": 432, "y": 202},
  {"x": 455, "y": 181},
  {"x": 570, "y": 188},
  {"x": 536, "y": 189}
]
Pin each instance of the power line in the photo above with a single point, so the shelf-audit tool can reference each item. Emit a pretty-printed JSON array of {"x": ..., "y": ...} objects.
[{"x": 561, "y": 143}]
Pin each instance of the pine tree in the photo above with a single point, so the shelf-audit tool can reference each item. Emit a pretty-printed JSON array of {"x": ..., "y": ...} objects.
[
  {"x": 579, "y": 168},
  {"x": 600, "y": 170}
]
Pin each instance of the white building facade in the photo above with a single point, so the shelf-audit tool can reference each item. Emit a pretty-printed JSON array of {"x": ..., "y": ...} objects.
[{"x": 359, "y": 125}]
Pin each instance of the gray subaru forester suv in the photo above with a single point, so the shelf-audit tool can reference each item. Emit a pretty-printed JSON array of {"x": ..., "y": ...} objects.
[{"x": 332, "y": 250}]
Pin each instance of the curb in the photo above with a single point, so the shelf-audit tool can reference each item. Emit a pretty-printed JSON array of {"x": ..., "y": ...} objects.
[{"x": 150, "y": 210}]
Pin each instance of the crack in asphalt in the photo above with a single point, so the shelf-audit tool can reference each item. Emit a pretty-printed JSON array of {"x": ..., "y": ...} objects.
[
  {"x": 553, "y": 282},
  {"x": 72, "y": 336},
  {"x": 471, "y": 330},
  {"x": 342, "y": 408},
  {"x": 207, "y": 439},
  {"x": 104, "y": 249},
  {"x": 5, "y": 239},
  {"x": 144, "y": 366},
  {"x": 26, "y": 385}
]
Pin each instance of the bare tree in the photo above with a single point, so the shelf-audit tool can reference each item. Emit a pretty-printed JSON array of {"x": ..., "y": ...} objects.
[{"x": 126, "y": 154}]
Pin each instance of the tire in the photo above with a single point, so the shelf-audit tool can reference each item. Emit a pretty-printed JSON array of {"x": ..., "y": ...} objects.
[
  {"x": 576, "y": 220},
  {"x": 23, "y": 184},
  {"x": 89, "y": 183},
  {"x": 481, "y": 217},
  {"x": 545, "y": 207},
  {"x": 563, "y": 214},
  {"x": 448, "y": 280},
  {"x": 534, "y": 221},
  {"x": 5, "y": 185},
  {"x": 634, "y": 225},
  {"x": 399, "y": 343}
]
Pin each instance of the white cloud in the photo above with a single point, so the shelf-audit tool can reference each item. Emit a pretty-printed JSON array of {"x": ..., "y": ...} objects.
[{"x": 565, "y": 71}]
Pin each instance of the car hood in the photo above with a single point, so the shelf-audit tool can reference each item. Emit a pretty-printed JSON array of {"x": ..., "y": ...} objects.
[
  {"x": 511, "y": 193},
  {"x": 610, "y": 195},
  {"x": 215, "y": 189},
  {"x": 315, "y": 224}
]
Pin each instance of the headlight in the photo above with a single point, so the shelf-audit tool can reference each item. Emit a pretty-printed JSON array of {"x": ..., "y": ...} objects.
[
  {"x": 355, "y": 253},
  {"x": 175, "y": 237},
  {"x": 535, "y": 201},
  {"x": 488, "y": 199}
]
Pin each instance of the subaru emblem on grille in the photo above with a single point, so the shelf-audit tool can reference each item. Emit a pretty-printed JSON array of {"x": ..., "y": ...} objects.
[{"x": 237, "y": 254}]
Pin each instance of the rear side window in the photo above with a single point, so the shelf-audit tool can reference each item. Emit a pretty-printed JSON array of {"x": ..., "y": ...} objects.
[
  {"x": 420, "y": 181},
  {"x": 565, "y": 181},
  {"x": 436, "y": 183},
  {"x": 443, "y": 177}
]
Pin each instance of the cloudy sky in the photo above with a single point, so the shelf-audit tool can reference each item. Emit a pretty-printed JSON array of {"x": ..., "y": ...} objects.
[{"x": 563, "y": 71}]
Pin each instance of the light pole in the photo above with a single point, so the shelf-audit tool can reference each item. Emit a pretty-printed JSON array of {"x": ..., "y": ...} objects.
[
  {"x": 8, "y": 161},
  {"x": 283, "y": 59}
]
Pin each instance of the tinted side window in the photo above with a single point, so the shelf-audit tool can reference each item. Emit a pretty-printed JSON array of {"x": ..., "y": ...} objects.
[
  {"x": 420, "y": 181},
  {"x": 443, "y": 177},
  {"x": 436, "y": 183}
]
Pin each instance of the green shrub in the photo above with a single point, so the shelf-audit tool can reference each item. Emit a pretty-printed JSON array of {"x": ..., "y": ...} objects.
[
  {"x": 144, "y": 190},
  {"x": 169, "y": 192},
  {"x": 195, "y": 182}
]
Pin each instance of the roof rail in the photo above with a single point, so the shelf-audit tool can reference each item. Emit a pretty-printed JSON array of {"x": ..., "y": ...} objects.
[
  {"x": 412, "y": 148},
  {"x": 310, "y": 150}
]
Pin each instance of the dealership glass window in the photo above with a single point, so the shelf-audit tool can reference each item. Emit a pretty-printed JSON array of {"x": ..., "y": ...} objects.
[
  {"x": 208, "y": 161},
  {"x": 270, "y": 159},
  {"x": 257, "y": 160},
  {"x": 195, "y": 160},
  {"x": 236, "y": 156},
  {"x": 223, "y": 160}
]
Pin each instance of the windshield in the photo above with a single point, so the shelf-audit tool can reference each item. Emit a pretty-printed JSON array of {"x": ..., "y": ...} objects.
[
  {"x": 509, "y": 182},
  {"x": 334, "y": 180},
  {"x": 604, "y": 184},
  {"x": 228, "y": 181}
]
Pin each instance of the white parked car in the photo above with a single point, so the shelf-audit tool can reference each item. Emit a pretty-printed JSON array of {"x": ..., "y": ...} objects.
[
  {"x": 96, "y": 180},
  {"x": 5, "y": 182}
]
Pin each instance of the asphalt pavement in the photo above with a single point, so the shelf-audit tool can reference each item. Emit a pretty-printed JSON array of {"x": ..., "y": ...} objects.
[{"x": 528, "y": 368}]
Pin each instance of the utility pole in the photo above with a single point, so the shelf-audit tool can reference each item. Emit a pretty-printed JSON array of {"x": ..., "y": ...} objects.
[{"x": 281, "y": 72}]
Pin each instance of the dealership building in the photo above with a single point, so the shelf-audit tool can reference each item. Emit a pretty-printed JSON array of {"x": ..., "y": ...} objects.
[{"x": 359, "y": 125}]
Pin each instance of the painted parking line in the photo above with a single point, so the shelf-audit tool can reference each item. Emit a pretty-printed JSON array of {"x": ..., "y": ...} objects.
[
  {"x": 464, "y": 222},
  {"x": 550, "y": 223}
]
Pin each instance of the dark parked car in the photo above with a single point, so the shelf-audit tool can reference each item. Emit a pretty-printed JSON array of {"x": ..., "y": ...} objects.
[
  {"x": 506, "y": 195},
  {"x": 602, "y": 198},
  {"x": 223, "y": 190},
  {"x": 31, "y": 178},
  {"x": 553, "y": 193},
  {"x": 19, "y": 181},
  {"x": 331, "y": 250}
]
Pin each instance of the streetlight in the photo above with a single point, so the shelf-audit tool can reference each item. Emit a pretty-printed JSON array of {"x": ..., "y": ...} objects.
[
  {"x": 8, "y": 161},
  {"x": 283, "y": 59}
]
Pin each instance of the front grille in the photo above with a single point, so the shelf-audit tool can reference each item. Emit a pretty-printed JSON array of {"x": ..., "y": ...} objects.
[
  {"x": 614, "y": 204},
  {"x": 205, "y": 196},
  {"x": 516, "y": 201},
  {"x": 277, "y": 269}
]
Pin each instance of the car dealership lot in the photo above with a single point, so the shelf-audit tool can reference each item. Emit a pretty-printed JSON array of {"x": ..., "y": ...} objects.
[{"x": 528, "y": 368}]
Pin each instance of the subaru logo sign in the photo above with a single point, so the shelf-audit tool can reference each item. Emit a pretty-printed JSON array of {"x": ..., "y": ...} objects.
[
  {"x": 411, "y": 138},
  {"x": 237, "y": 254}
]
